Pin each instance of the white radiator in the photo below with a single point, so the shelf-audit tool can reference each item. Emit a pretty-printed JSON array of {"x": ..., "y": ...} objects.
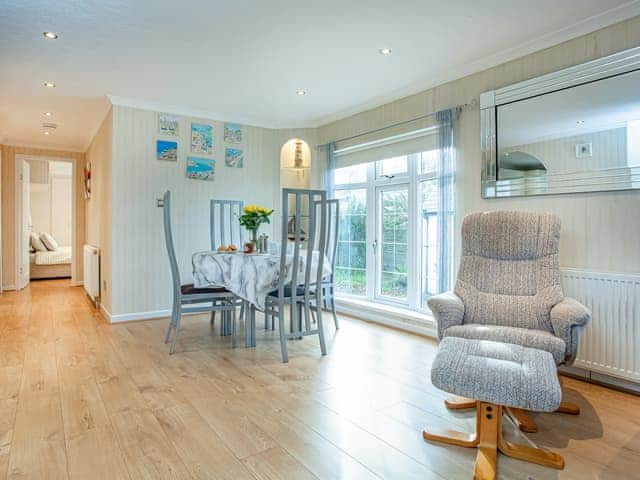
[
  {"x": 92, "y": 272},
  {"x": 611, "y": 342}
]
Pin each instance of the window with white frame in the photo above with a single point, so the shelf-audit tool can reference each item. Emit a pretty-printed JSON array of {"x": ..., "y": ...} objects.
[{"x": 388, "y": 250}]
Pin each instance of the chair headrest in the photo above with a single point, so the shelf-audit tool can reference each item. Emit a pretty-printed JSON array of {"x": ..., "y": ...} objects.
[{"x": 510, "y": 235}]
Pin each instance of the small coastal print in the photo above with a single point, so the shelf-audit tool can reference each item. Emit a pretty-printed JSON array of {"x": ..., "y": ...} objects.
[
  {"x": 233, "y": 157},
  {"x": 201, "y": 138},
  {"x": 201, "y": 168},
  {"x": 168, "y": 125},
  {"x": 232, "y": 133},
  {"x": 167, "y": 150}
]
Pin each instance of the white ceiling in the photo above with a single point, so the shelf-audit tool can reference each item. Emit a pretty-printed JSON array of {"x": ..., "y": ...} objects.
[{"x": 243, "y": 60}]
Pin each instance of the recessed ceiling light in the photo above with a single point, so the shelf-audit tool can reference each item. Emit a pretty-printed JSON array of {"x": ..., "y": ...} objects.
[
  {"x": 385, "y": 51},
  {"x": 46, "y": 132},
  {"x": 50, "y": 35},
  {"x": 49, "y": 84},
  {"x": 301, "y": 93},
  {"x": 47, "y": 114}
]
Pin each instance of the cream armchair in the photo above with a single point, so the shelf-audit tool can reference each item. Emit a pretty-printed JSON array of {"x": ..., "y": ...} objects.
[{"x": 508, "y": 290}]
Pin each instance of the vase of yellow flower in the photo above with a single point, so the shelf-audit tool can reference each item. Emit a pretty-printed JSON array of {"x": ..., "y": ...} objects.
[{"x": 252, "y": 217}]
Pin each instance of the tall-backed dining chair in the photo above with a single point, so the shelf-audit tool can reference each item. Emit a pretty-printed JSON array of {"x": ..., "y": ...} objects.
[
  {"x": 508, "y": 290},
  {"x": 331, "y": 250},
  {"x": 187, "y": 298},
  {"x": 225, "y": 229},
  {"x": 225, "y": 223},
  {"x": 297, "y": 281}
]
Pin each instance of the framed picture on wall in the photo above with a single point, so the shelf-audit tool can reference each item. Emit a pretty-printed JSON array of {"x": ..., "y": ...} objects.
[
  {"x": 233, "y": 157},
  {"x": 168, "y": 125},
  {"x": 87, "y": 180},
  {"x": 201, "y": 138},
  {"x": 232, "y": 133},
  {"x": 167, "y": 150},
  {"x": 201, "y": 168}
]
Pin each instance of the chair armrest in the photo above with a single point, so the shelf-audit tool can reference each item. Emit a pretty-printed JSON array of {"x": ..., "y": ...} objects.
[
  {"x": 568, "y": 318},
  {"x": 447, "y": 309}
]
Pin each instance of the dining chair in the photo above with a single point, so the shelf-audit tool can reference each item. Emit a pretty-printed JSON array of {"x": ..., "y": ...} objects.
[
  {"x": 225, "y": 214},
  {"x": 297, "y": 280},
  {"x": 225, "y": 229},
  {"x": 330, "y": 253},
  {"x": 186, "y": 297}
]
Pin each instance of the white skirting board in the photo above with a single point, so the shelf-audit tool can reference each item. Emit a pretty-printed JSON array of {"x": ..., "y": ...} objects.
[{"x": 132, "y": 317}]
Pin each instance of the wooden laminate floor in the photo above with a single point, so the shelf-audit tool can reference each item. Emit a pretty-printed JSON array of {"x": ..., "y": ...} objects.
[{"x": 82, "y": 399}]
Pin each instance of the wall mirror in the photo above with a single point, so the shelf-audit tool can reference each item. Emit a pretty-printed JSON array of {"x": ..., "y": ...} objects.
[{"x": 576, "y": 130}]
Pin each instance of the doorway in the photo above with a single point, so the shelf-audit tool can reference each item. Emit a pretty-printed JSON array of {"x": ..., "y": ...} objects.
[{"x": 45, "y": 217}]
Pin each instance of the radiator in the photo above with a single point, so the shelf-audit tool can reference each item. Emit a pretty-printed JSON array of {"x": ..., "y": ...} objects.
[
  {"x": 92, "y": 272},
  {"x": 611, "y": 342}
]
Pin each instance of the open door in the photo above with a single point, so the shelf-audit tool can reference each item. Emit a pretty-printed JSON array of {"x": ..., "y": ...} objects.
[{"x": 24, "y": 244}]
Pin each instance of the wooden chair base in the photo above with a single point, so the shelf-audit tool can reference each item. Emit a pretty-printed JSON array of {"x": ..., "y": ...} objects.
[
  {"x": 521, "y": 418},
  {"x": 489, "y": 441}
]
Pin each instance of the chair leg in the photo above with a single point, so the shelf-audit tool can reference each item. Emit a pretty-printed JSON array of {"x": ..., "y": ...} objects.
[
  {"x": 283, "y": 335},
  {"x": 178, "y": 315},
  {"x": 332, "y": 302},
  {"x": 323, "y": 345},
  {"x": 489, "y": 441},
  {"x": 569, "y": 408},
  {"x": 460, "y": 403},
  {"x": 530, "y": 454},
  {"x": 522, "y": 419},
  {"x": 212, "y": 321},
  {"x": 233, "y": 328},
  {"x": 307, "y": 316},
  {"x": 172, "y": 323}
]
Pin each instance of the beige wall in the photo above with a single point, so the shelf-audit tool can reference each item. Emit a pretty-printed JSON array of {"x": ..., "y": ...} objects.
[
  {"x": 600, "y": 230},
  {"x": 559, "y": 155},
  {"x": 8, "y": 172},
  {"x": 141, "y": 279},
  {"x": 98, "y": 211}
]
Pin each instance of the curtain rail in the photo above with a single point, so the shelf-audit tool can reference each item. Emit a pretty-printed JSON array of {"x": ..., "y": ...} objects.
[{"x": 472, "y": 103}]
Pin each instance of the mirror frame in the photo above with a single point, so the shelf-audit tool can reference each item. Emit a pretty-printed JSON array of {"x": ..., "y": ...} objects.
[{"x": 574, "y": 182}]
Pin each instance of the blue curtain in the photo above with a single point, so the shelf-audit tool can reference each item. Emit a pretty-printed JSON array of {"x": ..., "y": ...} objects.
[
  {"x": 331, "y": 165},
  {"x": 446, "y": 120}
]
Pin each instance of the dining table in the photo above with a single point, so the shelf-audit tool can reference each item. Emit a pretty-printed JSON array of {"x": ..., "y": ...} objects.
[{"x": 251, "y": 277}]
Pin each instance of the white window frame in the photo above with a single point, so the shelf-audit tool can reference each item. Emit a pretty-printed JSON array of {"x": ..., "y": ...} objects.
[{"x": 373, "y": 186}]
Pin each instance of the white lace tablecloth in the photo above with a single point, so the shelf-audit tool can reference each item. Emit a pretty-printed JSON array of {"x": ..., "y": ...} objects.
[{"x": 251, "y": 277}]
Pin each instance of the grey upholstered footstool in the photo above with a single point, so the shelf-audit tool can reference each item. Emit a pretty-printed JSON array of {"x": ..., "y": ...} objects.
[
  {"x": 501, "y": 373},
  {"x": 497, "y": 375}
]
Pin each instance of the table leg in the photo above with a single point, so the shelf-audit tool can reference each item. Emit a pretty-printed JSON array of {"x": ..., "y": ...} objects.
[
  {"x": 225, "y": 324},
  {"x": 250, "y": 326}
]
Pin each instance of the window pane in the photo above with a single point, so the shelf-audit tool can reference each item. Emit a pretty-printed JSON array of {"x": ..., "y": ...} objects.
[
  {"x": 392, "y": 166},
  {"x": 429, "y": 161},
  {"x": 429, "y": 249},
  {"x": 353, "y": 174},
  {"x": 351, "y": 262},
  {"x": 393, "y": 262}
]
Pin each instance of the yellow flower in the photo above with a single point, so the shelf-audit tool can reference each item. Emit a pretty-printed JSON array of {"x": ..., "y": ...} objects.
[{"x": 250, "y": 209}]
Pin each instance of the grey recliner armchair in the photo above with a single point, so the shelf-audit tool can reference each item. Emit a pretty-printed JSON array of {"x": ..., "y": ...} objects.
[{"x": 508, "y": 290}]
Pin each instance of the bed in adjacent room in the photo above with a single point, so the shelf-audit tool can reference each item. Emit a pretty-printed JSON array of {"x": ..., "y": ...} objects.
[{"x": 51, "y": 264}]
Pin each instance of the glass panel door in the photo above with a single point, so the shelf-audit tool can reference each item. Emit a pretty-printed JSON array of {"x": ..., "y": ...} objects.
[{"x": 393, "y": 243}]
